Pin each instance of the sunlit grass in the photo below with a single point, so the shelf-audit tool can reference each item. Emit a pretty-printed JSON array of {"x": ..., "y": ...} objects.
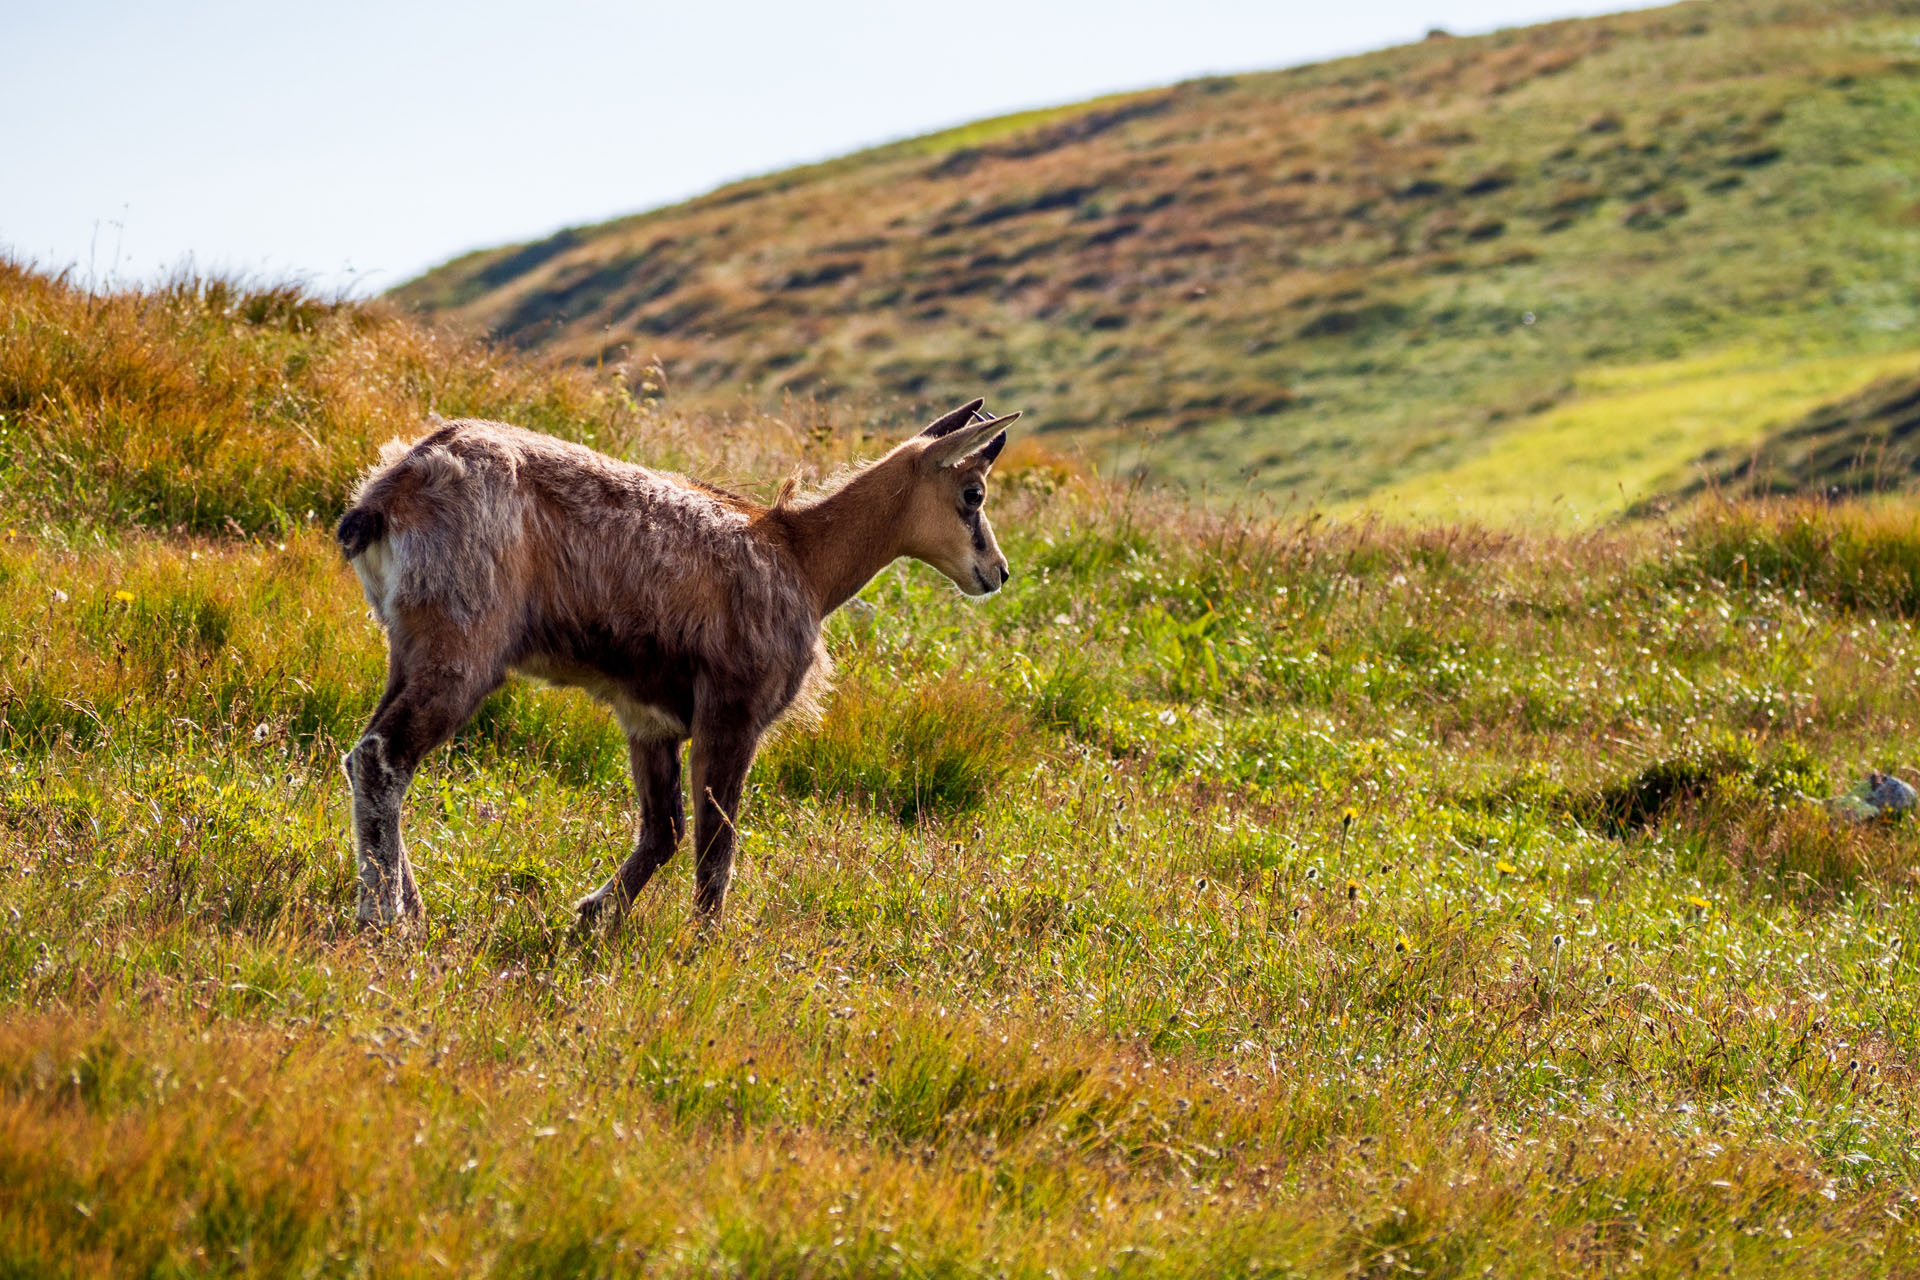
[{"x": 1630, "y": 434}]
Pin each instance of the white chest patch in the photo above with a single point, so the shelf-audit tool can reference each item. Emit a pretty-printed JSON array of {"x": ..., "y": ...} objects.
[{"x": 641, "y": 721}]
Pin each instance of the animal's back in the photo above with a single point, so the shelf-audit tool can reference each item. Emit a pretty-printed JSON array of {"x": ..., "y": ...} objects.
[{"x": 479, "y": 513}]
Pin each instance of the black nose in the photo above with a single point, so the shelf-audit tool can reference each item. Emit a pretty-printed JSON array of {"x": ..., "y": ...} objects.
[{"x": 1006, "y": 575}]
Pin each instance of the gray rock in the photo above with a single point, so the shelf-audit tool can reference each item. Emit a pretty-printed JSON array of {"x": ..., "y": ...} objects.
[
  {"x": 1877, "y": 795},
  {"x": 1889, "y": 794}
]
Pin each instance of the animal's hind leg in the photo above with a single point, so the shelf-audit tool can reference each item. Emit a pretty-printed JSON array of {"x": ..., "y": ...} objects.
[
  {"x": 415, "y": 716},
  {"x": 663, "y": 822}
]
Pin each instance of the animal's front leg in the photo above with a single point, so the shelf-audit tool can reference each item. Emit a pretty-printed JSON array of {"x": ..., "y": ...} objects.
[
  {"x": 663, "y": 821},
  {"x": 721, "y": 756}
]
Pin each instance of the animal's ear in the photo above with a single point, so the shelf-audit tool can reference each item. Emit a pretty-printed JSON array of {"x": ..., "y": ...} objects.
[
  {"x": 984, "y": 456},
  {"x": 947, "y": 424},
  {"x": 961, "y": 444}
]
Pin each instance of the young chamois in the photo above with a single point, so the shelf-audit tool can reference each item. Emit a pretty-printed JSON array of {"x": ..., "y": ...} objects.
[{"x": 693, "y": 612}]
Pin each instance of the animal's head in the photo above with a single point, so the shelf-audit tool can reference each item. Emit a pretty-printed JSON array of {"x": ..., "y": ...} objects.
[{"x": 946, "y": 519}]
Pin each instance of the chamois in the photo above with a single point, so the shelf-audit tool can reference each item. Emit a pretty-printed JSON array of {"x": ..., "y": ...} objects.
[{"x": 694, "y": 613}]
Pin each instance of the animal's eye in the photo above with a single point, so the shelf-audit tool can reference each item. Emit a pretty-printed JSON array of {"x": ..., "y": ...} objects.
[{"x": 972, "y": 496}]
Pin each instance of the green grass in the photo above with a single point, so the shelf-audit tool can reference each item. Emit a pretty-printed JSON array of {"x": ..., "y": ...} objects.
[
  {"x": 1376, "y": 279},
  {"x": 1229, "y": 897}
]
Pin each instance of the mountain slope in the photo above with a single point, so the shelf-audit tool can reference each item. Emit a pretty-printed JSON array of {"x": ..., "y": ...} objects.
[{"x": 1330, "y": 279}]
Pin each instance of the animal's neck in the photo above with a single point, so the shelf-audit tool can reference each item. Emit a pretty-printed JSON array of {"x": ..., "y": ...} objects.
[{"x": 842, "y": 540}]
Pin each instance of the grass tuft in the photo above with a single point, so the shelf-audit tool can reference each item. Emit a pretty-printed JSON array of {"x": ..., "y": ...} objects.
[{"x": 937, "y": 748}]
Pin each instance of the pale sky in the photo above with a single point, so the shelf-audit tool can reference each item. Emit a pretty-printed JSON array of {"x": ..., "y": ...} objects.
[{"x": 355, "y": 143}]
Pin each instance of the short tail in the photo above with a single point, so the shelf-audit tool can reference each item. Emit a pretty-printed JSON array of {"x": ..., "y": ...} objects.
[{"x": 359, "y": 529}]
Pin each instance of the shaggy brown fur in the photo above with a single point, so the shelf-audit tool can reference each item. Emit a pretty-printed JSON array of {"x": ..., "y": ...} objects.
[{"x": 692, "y": 612}]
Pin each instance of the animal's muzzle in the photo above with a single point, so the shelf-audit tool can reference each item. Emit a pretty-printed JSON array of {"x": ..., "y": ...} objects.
[{"x": 986, "y": 578}]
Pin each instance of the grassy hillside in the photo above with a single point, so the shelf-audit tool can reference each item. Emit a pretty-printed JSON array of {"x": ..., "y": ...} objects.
[
  {"x": 1228, "y": 898},
  {"x": 1340, "y": 281}
]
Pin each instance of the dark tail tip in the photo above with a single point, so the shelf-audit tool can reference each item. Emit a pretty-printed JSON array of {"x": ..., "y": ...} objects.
[{"x": 360, "y": 529}]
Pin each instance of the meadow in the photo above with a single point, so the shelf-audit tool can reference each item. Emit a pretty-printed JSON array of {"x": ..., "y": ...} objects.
[{"x": 1235, "y": 895}]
